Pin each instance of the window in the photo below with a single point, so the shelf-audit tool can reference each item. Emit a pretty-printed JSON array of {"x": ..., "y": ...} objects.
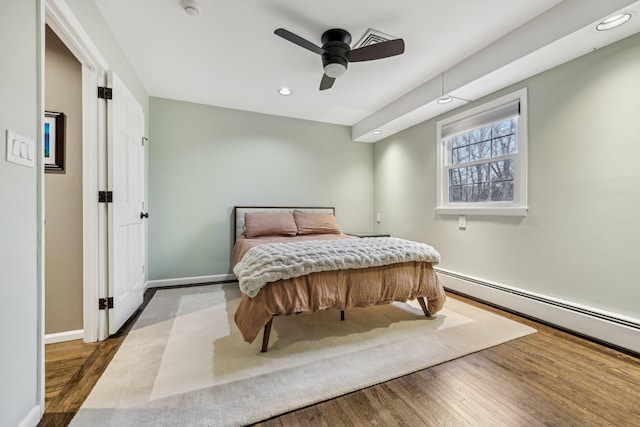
[{"x": 482, "y": 166}]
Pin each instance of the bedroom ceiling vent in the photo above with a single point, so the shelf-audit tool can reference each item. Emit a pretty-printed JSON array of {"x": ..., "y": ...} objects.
[{"x": 372, "y": 36}]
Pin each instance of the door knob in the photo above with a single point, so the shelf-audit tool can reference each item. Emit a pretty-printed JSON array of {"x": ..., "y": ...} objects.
[{"x": 144, "y": 215}]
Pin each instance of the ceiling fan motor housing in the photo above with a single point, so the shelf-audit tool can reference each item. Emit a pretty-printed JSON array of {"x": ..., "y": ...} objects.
[{"x": 335, "y": 44}]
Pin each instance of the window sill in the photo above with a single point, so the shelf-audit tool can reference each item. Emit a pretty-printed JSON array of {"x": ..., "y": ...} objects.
[{"x": 510, "y": 211}]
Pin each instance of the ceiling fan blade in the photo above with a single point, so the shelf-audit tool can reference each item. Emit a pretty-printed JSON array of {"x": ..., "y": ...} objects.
[
  {"x": 296, "y": 39},
  {"x": 377, "y": 51},
  {"x": 327, "y": 82}
]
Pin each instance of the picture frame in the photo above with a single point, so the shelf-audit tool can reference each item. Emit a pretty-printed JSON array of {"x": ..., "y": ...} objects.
[{"x": 54, "y": 141}]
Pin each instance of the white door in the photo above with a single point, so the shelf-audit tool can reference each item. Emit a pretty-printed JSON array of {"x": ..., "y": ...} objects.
[{"x": 125, "y": 177}]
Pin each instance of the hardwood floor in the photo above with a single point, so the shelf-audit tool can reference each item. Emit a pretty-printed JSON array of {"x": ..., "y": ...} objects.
[{"x": 550, "y": 378}]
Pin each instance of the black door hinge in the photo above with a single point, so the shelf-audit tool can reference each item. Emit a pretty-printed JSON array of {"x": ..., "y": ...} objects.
[
  {"x": 105, "y": 303},
  {"x": 105, "y": 92},
  {"x": 105, "y": 196}
]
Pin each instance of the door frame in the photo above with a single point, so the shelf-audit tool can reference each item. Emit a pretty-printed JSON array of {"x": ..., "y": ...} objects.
[{"x": 62, "y": 21}]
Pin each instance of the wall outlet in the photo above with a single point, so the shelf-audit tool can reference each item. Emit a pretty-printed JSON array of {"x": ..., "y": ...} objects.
[
  {"x": 462, "y": 222},
  {"x": 378, "y": 218}
]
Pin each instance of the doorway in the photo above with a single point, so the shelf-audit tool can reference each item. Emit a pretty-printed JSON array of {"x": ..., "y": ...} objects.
[
  {"x": 63, "y": 193},
  {"x": 60, "y": 19},
  {"x": 113, "y": 153}
]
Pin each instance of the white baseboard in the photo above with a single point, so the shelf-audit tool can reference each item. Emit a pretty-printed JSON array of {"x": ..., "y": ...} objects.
[
  {"x": 64, "y": 336},
  {"x": 189, "y": 280},
  {"x": 618, "y": 330},
  {"x": 33, "y": 417}
]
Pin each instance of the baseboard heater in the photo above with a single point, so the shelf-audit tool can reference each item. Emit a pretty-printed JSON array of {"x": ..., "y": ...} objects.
[{"x": 572, "y": 318}]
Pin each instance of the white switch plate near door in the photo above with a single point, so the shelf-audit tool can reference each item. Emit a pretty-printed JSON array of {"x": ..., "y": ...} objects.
[{"x": 20, "y": 150}]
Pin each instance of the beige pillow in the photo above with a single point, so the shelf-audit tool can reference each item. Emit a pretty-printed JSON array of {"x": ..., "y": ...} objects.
[
  {"x": 269, "y": 224},
  {"x": 315, "y": 223}
]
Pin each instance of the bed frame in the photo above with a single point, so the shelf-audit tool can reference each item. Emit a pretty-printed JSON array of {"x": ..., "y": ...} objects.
[
  {"x": 238, "y": 220},
  {"x": 267, "y": 328}
]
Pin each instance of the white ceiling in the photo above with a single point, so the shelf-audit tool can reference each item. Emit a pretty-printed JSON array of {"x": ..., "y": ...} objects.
[{"x": 228, "y": 56}]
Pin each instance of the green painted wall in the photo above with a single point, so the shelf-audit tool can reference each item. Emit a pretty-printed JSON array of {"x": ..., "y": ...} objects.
[
  {"x": 20, "y": 315},
  {"x": 579, "y": 239},
  {"x": 21, "y": 26},
  {"x": 204, "y": 160}
]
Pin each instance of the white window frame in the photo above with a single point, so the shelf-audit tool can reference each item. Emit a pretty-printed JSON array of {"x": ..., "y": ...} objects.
[{"x": 517, "y": 207}]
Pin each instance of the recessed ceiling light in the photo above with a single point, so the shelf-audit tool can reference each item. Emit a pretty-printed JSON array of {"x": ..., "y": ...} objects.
[
  {"x": 285, "y": 91},
  {"x": 377, "y": 132},
  {"x": 613, "y": 21},
  {"x": 192, "y": 7},
  {"x": 444, "y": 99}
]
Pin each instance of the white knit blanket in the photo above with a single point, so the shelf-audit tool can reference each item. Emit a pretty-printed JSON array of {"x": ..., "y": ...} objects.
[{"x": 276, "y": 261}]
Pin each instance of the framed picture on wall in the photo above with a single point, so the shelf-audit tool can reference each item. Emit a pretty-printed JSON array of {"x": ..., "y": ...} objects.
[{"x": 54, "y": 141}]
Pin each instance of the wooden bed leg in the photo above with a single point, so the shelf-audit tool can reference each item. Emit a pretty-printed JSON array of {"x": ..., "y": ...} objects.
[
  {"x": 341, "y": 314},
  {"x": 265, "y": 336},
  {"x": 424, "y": 306}
]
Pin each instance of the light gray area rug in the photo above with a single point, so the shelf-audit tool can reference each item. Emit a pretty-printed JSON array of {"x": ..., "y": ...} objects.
[{"x": 185, "y": 363}]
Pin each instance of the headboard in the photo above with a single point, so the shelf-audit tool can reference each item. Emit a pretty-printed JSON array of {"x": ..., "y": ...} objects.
[{"x": 239, "y": 211}]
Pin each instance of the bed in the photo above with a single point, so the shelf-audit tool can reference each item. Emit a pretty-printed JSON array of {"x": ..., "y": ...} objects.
[{"x": 292, "y": 260}]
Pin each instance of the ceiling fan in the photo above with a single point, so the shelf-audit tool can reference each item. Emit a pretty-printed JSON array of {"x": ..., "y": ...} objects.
[{"x": 337, "y": 54}]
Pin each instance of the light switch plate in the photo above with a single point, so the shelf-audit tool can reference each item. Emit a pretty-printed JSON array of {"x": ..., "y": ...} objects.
[{"x": 20, "y": 150}]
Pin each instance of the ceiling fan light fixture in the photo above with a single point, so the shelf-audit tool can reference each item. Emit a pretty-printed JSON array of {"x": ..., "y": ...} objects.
[
  {"x": 613, "y": 21},
  {"x": 444, "y": 99},
  {"x": 334, "y": 69},
  {"x": 192, "y": 7}
]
